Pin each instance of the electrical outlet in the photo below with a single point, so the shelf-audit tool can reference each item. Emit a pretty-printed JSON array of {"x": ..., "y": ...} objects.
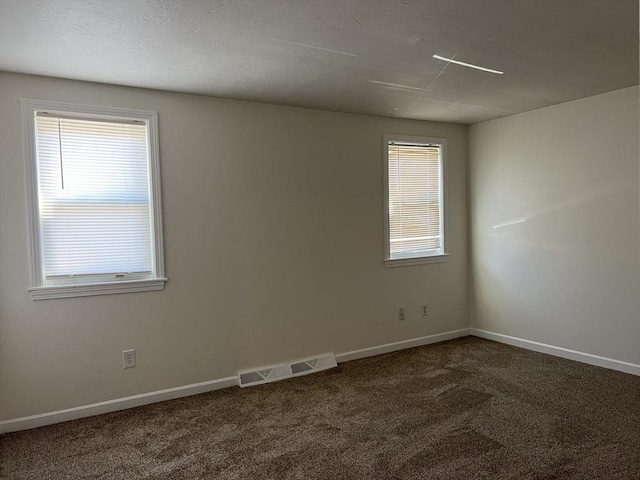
[
  {"x": 401, "y": 313},
  {"x": 423, "y": 310},
  {"x": 128, "y": 358}
]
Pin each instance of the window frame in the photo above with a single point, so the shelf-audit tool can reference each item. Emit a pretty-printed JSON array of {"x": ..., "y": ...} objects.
[
  {"x": 415, "y": 140},
  {"x": 37, "y": 287}
]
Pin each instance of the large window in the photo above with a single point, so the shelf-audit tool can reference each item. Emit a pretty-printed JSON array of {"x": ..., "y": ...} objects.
[
  {"x": 95, "y": 220},
  {"x": 414, "y": 170}
]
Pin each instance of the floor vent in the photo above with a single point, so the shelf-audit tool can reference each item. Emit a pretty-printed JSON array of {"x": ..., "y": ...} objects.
[
  {"x": 264, "y": 375},
  {"x": 314, "y": 364},
  {"x": 300, "y": 367},
  {"x": 287, "y": 370}
]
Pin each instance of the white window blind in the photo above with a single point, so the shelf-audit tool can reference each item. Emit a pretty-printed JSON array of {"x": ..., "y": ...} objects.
[
  {"x": 415, "y": 200},
  {"x": 94, "y": 198}
]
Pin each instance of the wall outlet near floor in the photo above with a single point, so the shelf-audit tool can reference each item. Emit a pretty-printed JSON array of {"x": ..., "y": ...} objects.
[
  {"x": 423, "y": 310},
  {"x": 128, "y": 358},
  {"x": 401, "y": 313}
]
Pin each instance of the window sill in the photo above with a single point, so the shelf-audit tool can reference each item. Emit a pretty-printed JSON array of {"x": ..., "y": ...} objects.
[
  {"x": 66, "y": 291},
  {"x": 407, "y": 262}
]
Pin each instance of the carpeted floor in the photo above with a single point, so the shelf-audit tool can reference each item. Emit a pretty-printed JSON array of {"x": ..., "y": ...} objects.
[{"x": 463, "y": 409}]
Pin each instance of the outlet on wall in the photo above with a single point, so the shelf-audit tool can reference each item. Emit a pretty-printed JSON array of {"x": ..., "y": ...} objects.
[
  {"x": 423, "y": 310},
  {"x": 401, "y": 313},
  {"x": 128, "y": 358}
]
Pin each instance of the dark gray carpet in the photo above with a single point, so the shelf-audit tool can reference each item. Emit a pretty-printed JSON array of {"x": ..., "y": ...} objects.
[{"x": 464, "y": 409}]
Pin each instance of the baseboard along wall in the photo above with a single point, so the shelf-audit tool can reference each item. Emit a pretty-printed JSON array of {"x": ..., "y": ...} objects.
[
  {"x": 401, "y": 345},
  {"x": 589, "y": 358},
  {"x": 49, "y": 418}
]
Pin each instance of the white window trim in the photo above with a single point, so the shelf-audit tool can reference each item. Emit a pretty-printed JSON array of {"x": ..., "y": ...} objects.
[
  {"x": 442, "y": 142},
  {"x": 37, "y": 289}
]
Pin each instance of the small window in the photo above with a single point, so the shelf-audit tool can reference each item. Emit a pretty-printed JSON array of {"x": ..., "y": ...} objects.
[
  {"x": 414, "y": 169},
  {"x": 94, "y": 200}
]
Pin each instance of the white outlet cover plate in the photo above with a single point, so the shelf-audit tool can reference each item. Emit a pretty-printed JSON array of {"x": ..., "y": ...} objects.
[{"x": 128, "y": 358}]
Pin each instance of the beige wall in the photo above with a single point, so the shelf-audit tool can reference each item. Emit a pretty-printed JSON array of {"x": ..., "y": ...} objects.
[
  {"x": 273, "y": 248},
  {"x": 566, "y": 271}
]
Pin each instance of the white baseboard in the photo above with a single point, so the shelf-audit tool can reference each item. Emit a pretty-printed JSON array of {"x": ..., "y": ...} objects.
[
  {"x": 401, "y": 345},
  {"x": 589, "y": 358},
  {"x": 43, "y": 419},
  {"x": 40, "y": 420}
]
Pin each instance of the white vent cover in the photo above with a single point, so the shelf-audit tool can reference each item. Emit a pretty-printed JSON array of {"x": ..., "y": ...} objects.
[
  {"x": 287, "y": 370},
  {"x": 313, "y": 364},
  {"x": 264, "y": 375}
]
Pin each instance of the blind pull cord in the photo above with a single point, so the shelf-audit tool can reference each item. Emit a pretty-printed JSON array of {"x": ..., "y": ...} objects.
[{"x": 61, "y": 165}]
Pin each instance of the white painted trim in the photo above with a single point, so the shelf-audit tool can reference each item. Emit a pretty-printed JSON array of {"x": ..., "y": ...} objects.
[
  {"x": 401, "y": 345},
  {"x": 417, "y": 140},
  {"x": 33, "y": 204},
  {"x": 40, "y": 420},
  {"x": 43, "y": 419},
  {"x": 86, "y": 290},
  {"x": 156, "y": 279},
  {"x": 405, "y": 262},
  {"x": 589, "y": 358}
]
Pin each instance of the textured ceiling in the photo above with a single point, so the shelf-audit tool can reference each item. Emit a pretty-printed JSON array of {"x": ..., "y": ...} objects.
[{"x": 362, "y": 56}]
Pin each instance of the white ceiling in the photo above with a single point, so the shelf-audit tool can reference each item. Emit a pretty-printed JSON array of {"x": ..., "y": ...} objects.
[{"x": 362, "y": 56}]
